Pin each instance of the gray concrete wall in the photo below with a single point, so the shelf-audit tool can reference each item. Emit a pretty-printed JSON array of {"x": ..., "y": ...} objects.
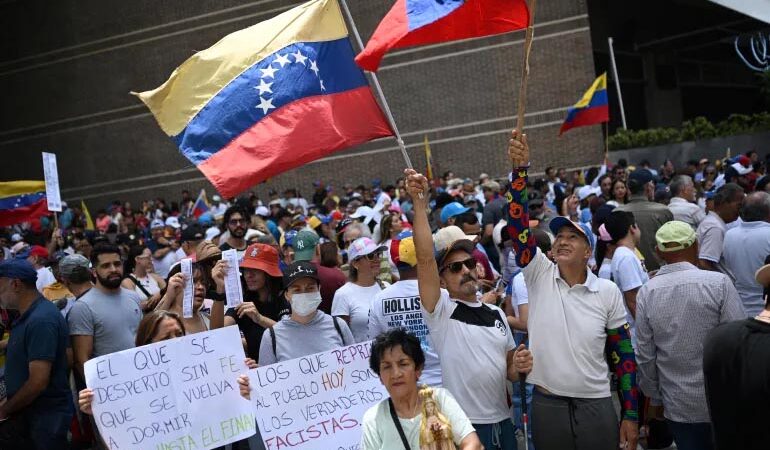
[
  {"x": 682, "y": 152},
  {"x": 66, "y": 69}
]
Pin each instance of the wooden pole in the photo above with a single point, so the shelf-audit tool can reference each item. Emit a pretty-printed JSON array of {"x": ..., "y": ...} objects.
[
  {"x": 525, "y": 68},
  {"x": 56, "y": 220}
]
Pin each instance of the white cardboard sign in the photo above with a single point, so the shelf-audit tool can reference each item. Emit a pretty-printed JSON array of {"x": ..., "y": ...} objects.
[
  {"x": 316, "y": 402},
  {"x": 52, "y": 194},
  {"x": 176, "y": 394}
]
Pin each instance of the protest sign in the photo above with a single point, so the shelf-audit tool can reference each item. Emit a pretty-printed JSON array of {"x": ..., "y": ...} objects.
[
  {"x": 51, "y": 173},
  {"x": 176, "y": 394},
  {"x": 316, "y": 402},
  {"x": 233, "y": 291},
  {"x": 189, "y": 288}
]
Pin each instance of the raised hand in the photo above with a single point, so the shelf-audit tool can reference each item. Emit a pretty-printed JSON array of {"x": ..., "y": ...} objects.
[
  {"x": 416, "y": 186},
  {"x": 518, "y": 149}
]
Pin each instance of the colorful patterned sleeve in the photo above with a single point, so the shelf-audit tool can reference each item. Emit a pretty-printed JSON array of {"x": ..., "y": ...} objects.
[
  {"x": 620, "y": 353},
  {"x": 518, "y": 217}
]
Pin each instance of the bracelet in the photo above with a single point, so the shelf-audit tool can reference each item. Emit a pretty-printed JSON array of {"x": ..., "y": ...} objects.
[{"x": 216, "y": 296}]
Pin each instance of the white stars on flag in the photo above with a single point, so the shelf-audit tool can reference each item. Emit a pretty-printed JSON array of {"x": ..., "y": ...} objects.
[{"x": 279, "y": 63}]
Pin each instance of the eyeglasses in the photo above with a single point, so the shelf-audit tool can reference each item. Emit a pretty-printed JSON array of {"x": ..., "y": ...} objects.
[
  {"x": 457, "y": 266},
  {"x": 371, "y": 257},
  {"x": 236, "y": 221}
]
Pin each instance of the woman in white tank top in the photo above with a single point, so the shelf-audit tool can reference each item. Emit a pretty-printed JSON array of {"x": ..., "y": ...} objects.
[{"x": 141, "y": 278}]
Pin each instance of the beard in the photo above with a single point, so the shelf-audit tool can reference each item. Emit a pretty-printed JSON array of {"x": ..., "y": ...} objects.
[
  {"x": 111, "y": 282},
  {"x": 238, "y": 232}
]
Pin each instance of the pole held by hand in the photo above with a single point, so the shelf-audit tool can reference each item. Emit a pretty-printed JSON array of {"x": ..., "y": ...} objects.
[{"x": 525, "y": 67}]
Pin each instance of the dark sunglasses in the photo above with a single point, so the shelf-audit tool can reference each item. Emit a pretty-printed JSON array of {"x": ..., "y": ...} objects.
[
  {"x": 457, "y": 266},
  {"x": 371, "y": 257}
]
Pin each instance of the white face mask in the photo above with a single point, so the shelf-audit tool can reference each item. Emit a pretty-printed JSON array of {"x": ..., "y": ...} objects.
[{"x": 306, "y": 303}]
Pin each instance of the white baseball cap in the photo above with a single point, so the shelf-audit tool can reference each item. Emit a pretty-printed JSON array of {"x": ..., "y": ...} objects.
[{"x": 173, "y": 222}]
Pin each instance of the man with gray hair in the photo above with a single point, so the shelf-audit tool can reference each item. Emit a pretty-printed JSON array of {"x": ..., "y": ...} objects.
[
  {"x": 746, "y": 247},
  {"x": 75, "y": 275},
  {"x": 712, "y": 229},
  {"x": 682, "y": 203}
]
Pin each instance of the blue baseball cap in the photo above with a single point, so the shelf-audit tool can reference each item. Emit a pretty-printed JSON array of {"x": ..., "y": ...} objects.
[
  {"x": 18, "y": 269},
  {"x": 557, "y": 223},
  {"x": 451, "y": 210}
]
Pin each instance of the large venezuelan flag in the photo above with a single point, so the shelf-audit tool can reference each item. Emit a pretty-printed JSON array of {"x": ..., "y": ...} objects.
[
  {"x": 593, "y": 108},
  {"x": 22, "y": 201},
  {"x": 269, "y": 98},
  {"x": 421, "y": 22}
]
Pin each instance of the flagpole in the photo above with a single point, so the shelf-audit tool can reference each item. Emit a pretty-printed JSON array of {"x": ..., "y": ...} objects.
[
  {"x": 617, "y": 83},
  {"x": 377, "y": 88},
  {"x": 525, "y": 67}
]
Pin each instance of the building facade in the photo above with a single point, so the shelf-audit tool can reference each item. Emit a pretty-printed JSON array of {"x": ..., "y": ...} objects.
[{"x": 67, "y": 69}]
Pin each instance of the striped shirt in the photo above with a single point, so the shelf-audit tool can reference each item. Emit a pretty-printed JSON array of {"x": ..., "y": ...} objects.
[{"x": 675, "y": 310}]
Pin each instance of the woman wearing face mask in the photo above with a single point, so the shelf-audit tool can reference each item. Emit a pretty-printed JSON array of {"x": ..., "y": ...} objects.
[
  {"x": 159, "y": 326},
  {"x": 351, "y": 301},
  {"x": 307, "y": 330},
  {"x": 262, "y": 304}
]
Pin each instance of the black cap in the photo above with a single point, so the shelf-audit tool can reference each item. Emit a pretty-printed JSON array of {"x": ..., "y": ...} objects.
[
  {"x": 641, "y": 176},
  {"x": 194, "y": 232},
  {"x": 297, "y": 270}
]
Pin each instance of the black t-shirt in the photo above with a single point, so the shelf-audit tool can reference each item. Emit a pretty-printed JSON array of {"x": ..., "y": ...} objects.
[
  {"x": 251, "y": 331},
  {"x": 736, "y": 365}
]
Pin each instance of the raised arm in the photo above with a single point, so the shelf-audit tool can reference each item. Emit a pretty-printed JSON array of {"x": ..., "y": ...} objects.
[
  {"x": 518, "y": 213},
  {"x": 427, "y": 270}
]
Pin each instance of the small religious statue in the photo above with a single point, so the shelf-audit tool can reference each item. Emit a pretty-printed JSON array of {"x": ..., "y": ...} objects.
[{"x": 435, "y": 429}]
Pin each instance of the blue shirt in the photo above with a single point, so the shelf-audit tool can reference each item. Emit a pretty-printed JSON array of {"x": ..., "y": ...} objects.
[
  {"x": 39, "y": 334},
  {"x": 745, "y": 249}
]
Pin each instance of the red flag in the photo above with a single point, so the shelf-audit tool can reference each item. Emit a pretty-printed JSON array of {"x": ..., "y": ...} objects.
[{"x": 419, "y": 22}]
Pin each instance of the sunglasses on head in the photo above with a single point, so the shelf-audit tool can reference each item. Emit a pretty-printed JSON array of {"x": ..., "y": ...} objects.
[{"x": 457, "y": 266}]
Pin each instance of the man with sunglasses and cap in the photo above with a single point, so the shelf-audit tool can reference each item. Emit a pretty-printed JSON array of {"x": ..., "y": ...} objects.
[
  {"x": 577, "y": 328},
  {"x": 472, "y": 339}
]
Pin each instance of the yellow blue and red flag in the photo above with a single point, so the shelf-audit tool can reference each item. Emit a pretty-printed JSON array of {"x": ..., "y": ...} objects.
[
  {"x": 591, "y": 109},
  {"x": 201, "y": 205},
  {"x": 420, "y": 22},
  {"x": 269, "y": 98},
  {"x": 22, "y": 201}
]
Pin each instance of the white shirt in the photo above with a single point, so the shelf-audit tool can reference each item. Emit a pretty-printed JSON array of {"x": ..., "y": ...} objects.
[
  {"x": 605, "y": 271},
  {"x": 378, "y": 432},
  {"x": 163, "y": 266},
  {"x": 629, "y": 274},
  {"x": 687, "y": 212},
  {"x": 44, "y": 278},
  {"x": 568, "y": 330},
  {"x": 353, "y": 301},
  {"x": 472, "y": 341},
  {"x": 398, "y": 306},
  {"x": 519, "y": 295}
]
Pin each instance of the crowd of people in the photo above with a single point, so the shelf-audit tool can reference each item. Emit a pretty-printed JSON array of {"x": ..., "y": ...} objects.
[{"x": 615, "y": 306}]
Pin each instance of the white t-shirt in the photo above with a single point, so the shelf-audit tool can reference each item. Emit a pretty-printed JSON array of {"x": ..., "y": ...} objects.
[
  {"x": 519, "y": 295},
  {"x": 353, "y": 301},
  {"x": 628, "y": 273},
  {"x": 398, "y": 306},
  {"x": 163, "y": 266},
  {"x": 378, "y": 432},
  {"x": 44, "y": 278},
  {"x": 149, "y": 284},
  {"x": 568, "y": 330},
  {"x": 472, "y": 341}
]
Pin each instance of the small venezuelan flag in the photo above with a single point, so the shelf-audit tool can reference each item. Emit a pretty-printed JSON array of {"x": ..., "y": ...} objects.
[
  {"x": 591, "y": 109},
  {"x": 22, "y": 201},
  {"x": 201, "y": 205},
  {"x": 269, "y": 98}
]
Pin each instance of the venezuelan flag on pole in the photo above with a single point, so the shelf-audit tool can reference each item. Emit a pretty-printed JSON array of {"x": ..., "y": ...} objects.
[
  {"x": 22, "y": 201},
  {"x": 269, "y": 98},
  {"x": 421, "y": 22},
  {"x": 593, "y": 108},
  {"x": 201, "y": 205}
]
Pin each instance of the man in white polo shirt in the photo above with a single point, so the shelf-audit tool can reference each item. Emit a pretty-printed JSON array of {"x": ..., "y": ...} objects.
[
  {"x": 573, "y": 317},
  {"x": 473, "y": 341}
]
